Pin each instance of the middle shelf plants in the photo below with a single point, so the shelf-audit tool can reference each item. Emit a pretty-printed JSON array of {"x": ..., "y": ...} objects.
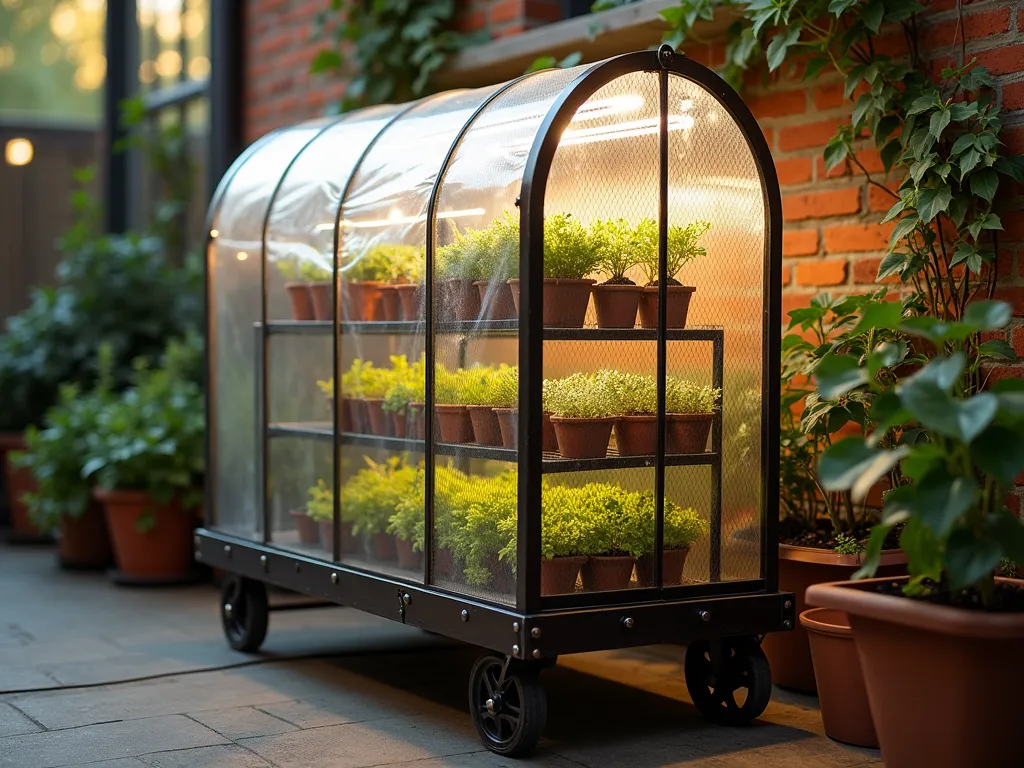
[
  {"x": 479, "y": 405},
  {"x": 596, "y": 536}
]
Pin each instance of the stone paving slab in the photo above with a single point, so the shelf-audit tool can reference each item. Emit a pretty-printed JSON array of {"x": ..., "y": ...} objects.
[
  {"x": 14, "y": 723},
  {"x": 242, "y": 722}
]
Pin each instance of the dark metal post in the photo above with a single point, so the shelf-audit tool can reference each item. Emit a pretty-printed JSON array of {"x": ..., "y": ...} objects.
[
  {"x": 226, "y": 84},
  {"x": 717, "y": 376},
  {"x": 120, "y": 45},
  {"x": 665, "y": 57}
]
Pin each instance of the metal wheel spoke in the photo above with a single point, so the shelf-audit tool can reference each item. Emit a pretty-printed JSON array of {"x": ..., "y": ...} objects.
[
  {"x": 507, "y": 718},
  {"x": 489, "y": 683},
  {"x": 512, "y": 709}
]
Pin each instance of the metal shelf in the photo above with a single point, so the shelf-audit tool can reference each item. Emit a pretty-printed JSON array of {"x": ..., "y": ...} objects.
[
  {"x": 489, "y": 328},
  {"x": 553, "y": 462}
]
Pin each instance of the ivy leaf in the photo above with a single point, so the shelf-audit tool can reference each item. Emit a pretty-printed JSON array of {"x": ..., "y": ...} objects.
[
  {"x": 984, "y": 183},
  {"x": 968, "y": 161},
  {"x": 903, "y": 228},
  {"x": 895, "y": 211},
  {"x": 835, "y": 152},
  {"x": 985, "y": 221},
  {"x": 836, "y": 375},
  {"x": 901, "y": 10},
  {"x": 999, "y": 452},
  {"x": 890, "y": 153},
  {"x": 884, "y": 128},
  {"x": 1012, "y": 167},
  {"x": 996, "y": 348},
  {"x": 963, "y": 110},
  {"x": 957, "y": 210},
  {"x": 938, "y": 122},
  {"x": 1008, "y": 531},
  {"x": 970, "y": 558},
  {"x": 779, "y": 45},
  {"x": 838, "y": 7},
  {"x": 923, "y": 551},
  {"x": 853, "y": 464},
  {"x": 965, "y": 141},
  {"x": 860, "y": 110},
  {"x": 880, "y": 314},
  {"x": 885, "y": 355},
  {"x": 921, "y": 104},
  {"x": 932, "y": 202},
  {"x": 814, "y": 67},
  {"x": 891, "y": 263},
  {"x": 939, "y": 500},
  {"x": 872, "y": 15},
  {"x": 920, "y": 168},
  {"x": 977, "y": 77},
  {"x": 988, "y": 315}
]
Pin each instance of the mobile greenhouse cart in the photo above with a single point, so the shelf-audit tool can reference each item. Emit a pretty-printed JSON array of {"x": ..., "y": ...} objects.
[{"x": 454, "y": 239}]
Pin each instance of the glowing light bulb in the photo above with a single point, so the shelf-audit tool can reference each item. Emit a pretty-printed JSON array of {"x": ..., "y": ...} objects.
[
  {"x": 242, "y": 256},
  {"x": 214, "y": 233},
  {"x": 19, "y": 152}
]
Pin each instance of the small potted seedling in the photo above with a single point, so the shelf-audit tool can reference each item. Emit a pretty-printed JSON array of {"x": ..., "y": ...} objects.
[
  {"x": 617, "y": 298},
  {"x": 567, "y": 536},
  {"x": 682, "y": 527},
  {"x": 320, "y": 289},
  {"x": 406, "y": 388},
  {"x": 636, "y": 407},
  {"x": 682, "y": 248},
  {"x": 582, "y": 409},
  {"x": 407, "y": 526},
  {"x": 689, "y": 414},
  {"x": 456, "y": 268},
  {"x": 352, "y": 400},
  {"x": 399, "y": 265},
  {"x": 364, "y": 277},
  {"x": 503, "y": 395},
  {"x": 475, "y": 394},
  {"x": 370, "y": 498},
  {"x": 407, "y": 275},
  {"x": 298, "y": 289},
  {"x": 375, "y": 385},
  {"x": 619, "y": 537},
  {"x": 453, "y": 421},
  {"x": 569, "y": 256},
  {"x": 316, "y": 523},
  {"x": 495, "y": 251}
]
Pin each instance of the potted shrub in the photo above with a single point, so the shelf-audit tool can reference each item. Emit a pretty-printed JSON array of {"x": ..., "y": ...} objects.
[
  {"x": 959, "y": 449},
  {"x": 456, "y": 269},
  {"x": 397, "y": 265},
  {"x": 682, "y": 248},
  {"x": 453, "y": 422},
  {"x": 636, "y": 406},
  {"x": 582, "y": 409},
  {"x": 363, "y": 278},
  {"x": 321, "y": 291},
  {"x": 298, "y": 289},
  {"x": 681, "y": 528},
  {"x": 404, "y": 401},
  {"x": 315, "y": 523},
  {"x": 407, "y": 276},
  {"x": 617, "y": 298},
  {"x": 145, "y": 457},
  {"x": 369, "y": 499},
  {"x": 479, "y": 530},
  {"x": 62, "y": 498},
  {"x": 569, "y": 256},
  {"x": 476, "y": 394},
  {"x": 503, "y": 395},
  {"x": 495, "y": 252},
  {"x": 689, "y": 413},
  {"x": 620, "y": 536},
  {"x": 407, "y": 526},
  {"x": 352, "y": 400}
]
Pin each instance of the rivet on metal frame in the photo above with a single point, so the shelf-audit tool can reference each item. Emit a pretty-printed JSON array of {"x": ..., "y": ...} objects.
[
  {"x": 334, "y": 578},
  {"x": 535, "y": 633},
  {"x": 195, "y": 540},
  {"x": 406, "y": 598},
  {"x": 465, "y": 615},
  {"x": 788, "y": 604},
  {"x": 536, "y": 653},
  {"x": 298, "y": 568},
  {"x": 227, "y": 550},
  {"x": 515, "y": 626},
  {"x": 628, "y": 622},
  {"x": 787, "y": 624},
  {"x": 705, "y": 615},
  {"x": 199, "y": 555},
  {"x": 515, "y": 650},
  {"x": 263, "y": 562}
]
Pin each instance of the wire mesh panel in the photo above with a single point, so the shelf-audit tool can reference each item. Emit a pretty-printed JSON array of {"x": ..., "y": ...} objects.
[
  {"x": 475, "y": 323},
  {"x": 716, "y": 249},
  {"x": 234, "y": 269},
  {"x": 382, "y": 361}
]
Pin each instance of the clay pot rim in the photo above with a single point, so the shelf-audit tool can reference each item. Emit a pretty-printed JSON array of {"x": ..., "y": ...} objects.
[
  {"x": 619, "y": 287},
  {"x": 567, "y": 558},
  {"x": 854, "y": 598},
  {"x": 503, "y": 409},
  {"x": 376, "y": 283},
  {"x": 406, "y": 286},
  {"x": 319, "y": 282},
  {"x": 297, "y": 284},
  {"x": 813, "y": 620},
  {"x": 388, "y": 286},
  {"x": 371, "y": 399},
  {"x": 479, "y": 407},
  {"x": 299, "y": 513},
  {"x": 611, "y": 557},
  {"x": 596, "y": 420},
  {"x": 638, "y": 417},
  {"x": 823, "y": 556},
  {"x": 449, "y": 406},
  {"x": 671, "y": 288},
  {"x": 689, "y": 416},
  {"x": 126, "y": 496}
]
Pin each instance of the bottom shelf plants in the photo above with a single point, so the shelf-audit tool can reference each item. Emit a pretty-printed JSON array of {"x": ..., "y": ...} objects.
[{"x": 597, "y": 534}]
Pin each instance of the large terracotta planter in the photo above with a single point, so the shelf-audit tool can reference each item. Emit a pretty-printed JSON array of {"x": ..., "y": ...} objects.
[
  {"x": 944, "y": 683},
  {"x": 152, "y": 541},
  {"x": 564, "y": 303},
  {"x": 582, "y": 438},
  {"x": 558, "y": 574},
  {"x": 604, "y": 573},
  {"x": 17, "y": 482},
  {"x": 457, "y": 299},
  {"x": 322, "y": 296},
  {"x": 496, "y": 300},
  {"x": 305, "y": 526},
  {"x": 672, "y": 563},
  {"x": 301, "y": 300},
  {"x": 486, "y": 430},
  {"x": 636, "y": 435},
  {"x": 616, "y": 304},
  {"x": 326, "y": 529},
  {"x": 84, "y": 541},
  {"x": 678, "y": 306},
  {"x": 454, "y": 424},
  {"x": 411, "y": 298},
  {"x": 380, "y": 425},
  {"x": 390, "y": 303},
  {"x": 687, "y": 432},
  {"x": 799, "y": 567},
  {"x": 508, "y": 422},
  {"x": 415, "y": 422},
  {"x": 845, "y": 711}
]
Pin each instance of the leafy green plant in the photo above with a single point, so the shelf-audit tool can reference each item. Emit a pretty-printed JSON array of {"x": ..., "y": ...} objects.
[
  {"x": 491, "y": 253},
  {"x": 503, "y": 387},
  {"x": 618, "y": 251},
  {"x": 683, "y": 526},
  {"x": 569, "y": 251},
  {"x": 848, "y": 545},
  {"x": 408, "y": 386},
  {"x": 370, "y": 497},
  {"x": 682, "y": 248},
  {"x": 377, "y": 264},
  {"x": 290, "y": 269},
  {"x": 407, "y": 523},
  {"x": 580, "y": 396},
  {"x": 959, "y": 452},
  {"x": 320, "y": 506},
  {"x": 683, "y": 396},
  {"x": 312, "y": 272},
  {"x": 634, "y": 394},
  {"x": 352, "y": 379}
]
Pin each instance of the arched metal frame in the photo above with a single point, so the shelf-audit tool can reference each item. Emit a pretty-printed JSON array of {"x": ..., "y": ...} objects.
[{"x": 757, "y": 600}]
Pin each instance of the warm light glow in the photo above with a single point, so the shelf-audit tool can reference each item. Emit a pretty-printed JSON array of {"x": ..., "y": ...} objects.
[
  {"x": 192, "y": 24},
  {"x": 645, "y": 127},
  {"x": 198, "y": 67},
  {"x": 90, "y": 73},
  {"x": 242, "y": 256},
  {"x": 146, "y": 73},
  {"x": 19, "y": 152},
  {"x": 63, "y": 21},
  {"x": 168, "y": 28},
  {"x": 168, "y": 64},
  {"x": 7, "y": 55},
  {"x": 214, "y": 233},
  {"x": 395, "y": 217}
]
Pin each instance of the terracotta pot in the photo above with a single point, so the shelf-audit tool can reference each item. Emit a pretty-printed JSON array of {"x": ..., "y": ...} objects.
[
  {"x": 163, "y": 550},
  {"x": 548, "y": 438},
  {"x": 687, "y": 432},
  {"x": 411, "y": 298},
  {"x": 789, "y": 653},
  {"x": 302, "y": 301},
  {"x": 616, "y": 305},
  {"x": 604, "y": 573},
  {"x": 672, "y": 563},
  {"x": 17, "y": 482},
  {"x": 322, "y": 297},
  {"x": 326, "y": 534},
  {"x": 380, "y": 424},
  {"x": 944, "y": 683},
  {"x": 360, "y": 416},
  {"x": 676, "y": 311},
  {"x": 350, "y": 543},
  {"x": 415, "y": 427},
  {"x": 636, "y": 435},
  {"x": 366, "y": 300},
  {"x": 486, "y": 429},
  {"x": 582, "y": 438},
  {"x": 397, "y": 423},
  {"x": 845, "y": 711},
  {"x": 558, "y": 574},
  {"x": 306, "y": 526},
  {"x": 564, "y": 303},
  {"x": 390, "y": 303},
  {"x": 496, "y": 300},
  {"x": 346, "y": 414},
  {"x": 508, "y": 424},
  {"x": 457, "y": 300},
  {"x": 383, "y": 545},
  {"x": 85, "y": 541},
  {"x": 408, "y": 559},
  {"x": 454, "y": 424}
]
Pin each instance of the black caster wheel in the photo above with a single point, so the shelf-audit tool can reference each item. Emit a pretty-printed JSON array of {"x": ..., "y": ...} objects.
[
  {"x": 735, "y": 692},
  {"x": 244, "y": 612},
  {"x": 508, "y": 705}
]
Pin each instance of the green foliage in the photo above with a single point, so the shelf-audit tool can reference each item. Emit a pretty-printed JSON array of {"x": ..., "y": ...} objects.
[
  {"x": 683, "y": 396},
  {"x": 617, "y": 246},
  {"x": 959, "y": 452},
  {"x": 290, "y": 269},
  {"x": 407, "y": 386},
  {"x": 312, "y": 272},
  {"x": 847, "y": 545},
  {"x": 503, "y": 387},
  {"x": 387, "y": 263},
  {"x": 151, "y": 437},
  {"x": 370, "y": 497},
  {"x": 352, "y": 379},
  {"x": 580, "y": 396},
  {"x": 320, "y": 506},
  {"x": 550, "y": 62},
  {"x": 683, "y": 526},
  {"x": 491, "y": 253},
  {"x": 407, "y": 523},
  {"x": 569, "y": 248},
  {"x": 681, "y": 247},
  {"x": 633, "y": 394},
  {"x": 387, "y": 50}
]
